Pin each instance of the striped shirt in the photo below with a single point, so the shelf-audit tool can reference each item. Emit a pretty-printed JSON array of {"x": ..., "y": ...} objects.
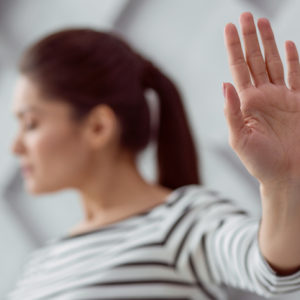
[{"x": 190, "y": 247}]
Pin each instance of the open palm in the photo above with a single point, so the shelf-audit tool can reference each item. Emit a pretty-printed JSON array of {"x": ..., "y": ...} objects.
[{"x": 263, "y": 114}]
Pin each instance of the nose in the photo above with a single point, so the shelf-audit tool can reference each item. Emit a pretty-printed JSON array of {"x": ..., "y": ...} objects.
[{"x": 17, "y": 146}]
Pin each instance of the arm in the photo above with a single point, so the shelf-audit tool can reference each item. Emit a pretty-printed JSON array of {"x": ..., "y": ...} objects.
[
  {"x": 223, "y": 249},
  {"x": 279, "y": 231},
  {"x": 263, "y": 117}
]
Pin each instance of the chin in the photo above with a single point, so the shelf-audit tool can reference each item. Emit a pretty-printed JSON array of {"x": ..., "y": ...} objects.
[{"x": 40, "y": 189}]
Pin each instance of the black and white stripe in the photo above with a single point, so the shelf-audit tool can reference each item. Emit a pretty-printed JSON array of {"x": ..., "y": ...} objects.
[{"x": 187, "y": 248}]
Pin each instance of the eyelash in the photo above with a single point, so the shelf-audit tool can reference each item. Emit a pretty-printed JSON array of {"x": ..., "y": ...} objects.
[{"x": 30, "y": 126}]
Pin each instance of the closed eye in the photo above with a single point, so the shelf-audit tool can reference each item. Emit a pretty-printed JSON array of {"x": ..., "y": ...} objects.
[{"x": 30, "y": 126}]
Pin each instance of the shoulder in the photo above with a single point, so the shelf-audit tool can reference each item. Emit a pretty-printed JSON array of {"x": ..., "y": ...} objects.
[
  {"x": 205, "y": 201},
  {"x": 195, "y": 194}
]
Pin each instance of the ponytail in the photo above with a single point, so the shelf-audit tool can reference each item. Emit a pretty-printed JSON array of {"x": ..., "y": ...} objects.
[{"x": 176, "y": 153}]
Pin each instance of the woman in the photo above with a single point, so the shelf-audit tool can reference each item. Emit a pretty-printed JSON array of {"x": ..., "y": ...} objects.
[{"x": 84, "y": 120}]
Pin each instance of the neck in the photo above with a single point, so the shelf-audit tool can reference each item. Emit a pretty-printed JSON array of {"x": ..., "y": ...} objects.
[{"x": 118, "y": 191}]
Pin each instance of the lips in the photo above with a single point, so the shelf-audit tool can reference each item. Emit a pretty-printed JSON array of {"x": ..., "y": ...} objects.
[{"x": 26, "y": 169}]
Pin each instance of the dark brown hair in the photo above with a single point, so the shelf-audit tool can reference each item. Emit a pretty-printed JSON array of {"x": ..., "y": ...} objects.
[{"x": 85, "y": 67}]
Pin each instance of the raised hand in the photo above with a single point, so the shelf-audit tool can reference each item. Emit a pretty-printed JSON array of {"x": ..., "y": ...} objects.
[{"x": 263, "y": 114}]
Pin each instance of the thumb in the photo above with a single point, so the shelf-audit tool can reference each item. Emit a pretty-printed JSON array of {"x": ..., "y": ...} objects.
[{"x": 232, "y": 110}]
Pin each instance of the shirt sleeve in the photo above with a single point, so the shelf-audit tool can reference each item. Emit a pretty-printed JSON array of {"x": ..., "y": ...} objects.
[{"x": 224, "y": 249}]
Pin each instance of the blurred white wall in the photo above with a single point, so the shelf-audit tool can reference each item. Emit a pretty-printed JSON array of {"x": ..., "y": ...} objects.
[{"x": 185, "y": 38}]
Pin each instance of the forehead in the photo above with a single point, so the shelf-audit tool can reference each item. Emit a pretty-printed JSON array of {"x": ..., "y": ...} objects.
[{"x": 29, "y": 98}]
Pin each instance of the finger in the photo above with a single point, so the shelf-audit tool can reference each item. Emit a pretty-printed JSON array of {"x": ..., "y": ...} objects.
[
  {"x": 253, "y": 54},
  {"x": 237, "y": 63},
  {"x": 292, "y": 59},
  {"x": 233, "y": 113},
  {"x": 272, "y": 57}
]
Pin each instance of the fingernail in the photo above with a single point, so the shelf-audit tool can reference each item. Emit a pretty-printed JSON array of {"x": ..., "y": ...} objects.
[
  {"x": 224, "y": 89},
  {"x": 291, "y": 44}
]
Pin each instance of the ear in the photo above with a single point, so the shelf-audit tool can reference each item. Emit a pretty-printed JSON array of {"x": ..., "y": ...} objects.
[{"x": 102, "y": 127}]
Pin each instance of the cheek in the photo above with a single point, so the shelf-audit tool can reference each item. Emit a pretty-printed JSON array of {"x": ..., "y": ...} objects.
[{"x": 58, "y": 155}]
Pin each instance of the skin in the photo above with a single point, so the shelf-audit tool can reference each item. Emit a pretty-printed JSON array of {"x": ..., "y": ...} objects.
[
  {"x": 263, "y": 116},
  {"x": 85, "y": 156}
]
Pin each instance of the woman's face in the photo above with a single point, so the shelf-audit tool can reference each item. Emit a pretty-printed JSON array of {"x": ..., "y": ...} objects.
[{"x": 52, "y": 151}]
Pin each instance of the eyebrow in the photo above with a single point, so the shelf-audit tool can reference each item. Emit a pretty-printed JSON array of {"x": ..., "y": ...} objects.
[{"x": 19, "y": 114}]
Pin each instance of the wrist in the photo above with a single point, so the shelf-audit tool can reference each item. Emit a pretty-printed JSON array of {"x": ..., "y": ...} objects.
[
  {"x": 280, "y": 224},
  {"x": 280, "y": 202},
  {"x": 284, "y": 191}
]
